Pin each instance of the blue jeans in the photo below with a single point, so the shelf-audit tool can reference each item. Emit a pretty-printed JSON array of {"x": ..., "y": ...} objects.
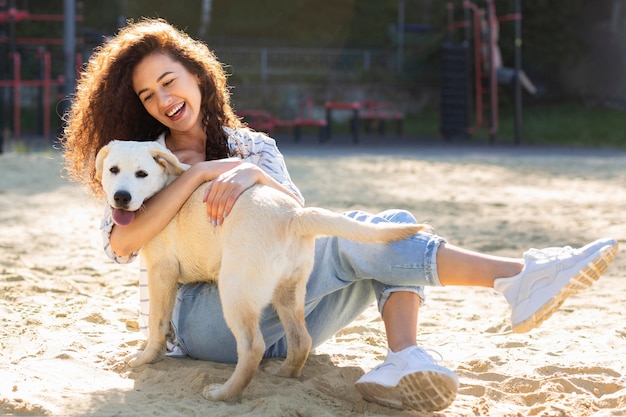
[{"x": 346, "y": 278}]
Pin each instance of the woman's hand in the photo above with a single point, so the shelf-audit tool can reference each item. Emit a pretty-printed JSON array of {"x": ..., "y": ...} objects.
[{"x": 221, "y": 194}]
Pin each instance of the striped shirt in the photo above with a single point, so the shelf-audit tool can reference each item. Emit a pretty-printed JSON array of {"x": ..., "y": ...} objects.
[{"x": 254, "y": 147}]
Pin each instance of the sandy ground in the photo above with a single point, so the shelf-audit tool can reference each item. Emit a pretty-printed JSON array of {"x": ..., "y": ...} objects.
[{"x": 68, "y": 314}]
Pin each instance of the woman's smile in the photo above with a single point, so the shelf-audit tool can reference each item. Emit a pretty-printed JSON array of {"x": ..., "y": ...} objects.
[{"x": 176, "y": 112}]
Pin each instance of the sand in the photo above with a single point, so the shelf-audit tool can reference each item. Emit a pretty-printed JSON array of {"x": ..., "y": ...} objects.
[{"x": 68, "y": 314}]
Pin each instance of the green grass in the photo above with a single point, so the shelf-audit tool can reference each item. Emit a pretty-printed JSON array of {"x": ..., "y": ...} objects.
[{"x": 563, "y": 124}]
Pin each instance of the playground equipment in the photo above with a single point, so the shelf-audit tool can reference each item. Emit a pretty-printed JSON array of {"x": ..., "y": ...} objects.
[
  {"x": 12, "y": 67},
  {"x": 470, "y": 69}
]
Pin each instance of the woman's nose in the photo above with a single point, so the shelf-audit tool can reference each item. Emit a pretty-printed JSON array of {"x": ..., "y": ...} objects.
[{"x": 164, "y": 98}]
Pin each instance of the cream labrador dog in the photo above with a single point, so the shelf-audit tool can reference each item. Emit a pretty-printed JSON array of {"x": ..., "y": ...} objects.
[{"x": 262, "y": 253}]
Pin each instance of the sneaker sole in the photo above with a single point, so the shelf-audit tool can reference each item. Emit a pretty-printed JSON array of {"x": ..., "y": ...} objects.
[
  {"x": 419, "y": 391},
  {"x": 587, "y": 276}
]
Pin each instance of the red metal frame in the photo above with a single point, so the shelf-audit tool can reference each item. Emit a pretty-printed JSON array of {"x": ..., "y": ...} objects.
[
  {"x": 480, "y": 58},
  {"x": 19, "y": 15},
  {"x": 47, "y": 82},
  {"x": 17, "y": 83}
]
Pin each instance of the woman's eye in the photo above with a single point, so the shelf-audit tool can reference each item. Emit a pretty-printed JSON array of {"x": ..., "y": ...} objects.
[
  {"x": 147, "y": 97},
  {"x": 168, "y": 82}
]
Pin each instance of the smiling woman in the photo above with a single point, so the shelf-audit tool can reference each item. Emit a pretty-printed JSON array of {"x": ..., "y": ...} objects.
[{"x": 154, "y": 82}]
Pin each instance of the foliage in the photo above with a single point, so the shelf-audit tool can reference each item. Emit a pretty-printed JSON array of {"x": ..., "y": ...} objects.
[
  {"x": 551, "y": 29},
  {"x": 568, "y": 123}
]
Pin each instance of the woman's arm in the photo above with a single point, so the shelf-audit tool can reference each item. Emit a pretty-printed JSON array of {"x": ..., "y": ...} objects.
[
  {"x": 163, "y": 206},
  {"x": 221, "y": 195},
  {"x": 263, "y": 164}
]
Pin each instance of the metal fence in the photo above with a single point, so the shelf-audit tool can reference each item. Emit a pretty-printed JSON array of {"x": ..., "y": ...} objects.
[{"x": 280, "y": 62}]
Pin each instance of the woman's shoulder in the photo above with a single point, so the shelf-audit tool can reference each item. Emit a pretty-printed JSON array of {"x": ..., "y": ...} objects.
[
  {"x": 245, "y": 134},
  {"x": 246, "y": 142},
  {"x": 161, "y": 139}
]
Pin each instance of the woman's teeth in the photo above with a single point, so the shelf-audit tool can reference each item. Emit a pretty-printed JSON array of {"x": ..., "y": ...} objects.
[{"x": 175, "y": 110}]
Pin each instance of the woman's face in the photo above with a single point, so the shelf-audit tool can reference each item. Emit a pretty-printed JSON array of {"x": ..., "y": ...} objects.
[{"x": 169, "y": 92}]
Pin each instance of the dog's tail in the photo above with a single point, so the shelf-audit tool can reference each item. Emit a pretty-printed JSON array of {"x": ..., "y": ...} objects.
[{"x": 314, "y": 221}]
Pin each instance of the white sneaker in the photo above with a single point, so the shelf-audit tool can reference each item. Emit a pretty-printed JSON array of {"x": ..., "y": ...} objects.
[
  {"x": 411, "y": 380},
  {"x": 549, "y": 277}
]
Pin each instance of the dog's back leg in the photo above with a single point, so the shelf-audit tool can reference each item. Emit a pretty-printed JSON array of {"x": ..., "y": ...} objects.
[
  {"x": 289, "y": 305},
  {"x": 242, "y": 308}
]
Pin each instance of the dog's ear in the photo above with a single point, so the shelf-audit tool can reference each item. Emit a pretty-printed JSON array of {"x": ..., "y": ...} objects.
[
  {"x": 100, "y": 161},
  {"x": 168, "y": 160}
]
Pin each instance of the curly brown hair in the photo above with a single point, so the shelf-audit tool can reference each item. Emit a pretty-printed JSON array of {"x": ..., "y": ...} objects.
[{"x": 105, "y": 106}]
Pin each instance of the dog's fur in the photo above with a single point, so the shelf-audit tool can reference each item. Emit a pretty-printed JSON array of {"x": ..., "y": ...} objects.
[{"x": 262, "y": 253}]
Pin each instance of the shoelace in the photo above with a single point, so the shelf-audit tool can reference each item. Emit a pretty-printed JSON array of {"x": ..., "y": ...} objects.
[
  {"x": 547, "y": 253},
  {"x": 422, "y": 353}
]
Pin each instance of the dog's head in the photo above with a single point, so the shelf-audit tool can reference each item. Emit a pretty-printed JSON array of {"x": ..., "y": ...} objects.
[{"x": 131, "y": 172}]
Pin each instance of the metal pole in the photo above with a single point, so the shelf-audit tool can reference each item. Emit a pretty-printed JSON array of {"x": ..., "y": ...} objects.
[
  {"x": 400, "y": 33},
  {"x": 492, "y": 80},
  {"x": 69, "y": 45},
  {"x": 518, "y": 67},
  {"x": 4, "y": 54},
  {"x": 469, "y": 87},
  {"x": 17, "y": 106},
  {"x": 12, "y": 51},
  {"x": 69, "y": 56},
  {"x": 205, "y": 18}
]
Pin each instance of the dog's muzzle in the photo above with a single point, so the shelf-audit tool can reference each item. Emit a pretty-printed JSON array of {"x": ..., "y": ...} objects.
[
  {"x": 122, "y": 198},
  {"x": 122, "y": 217}
]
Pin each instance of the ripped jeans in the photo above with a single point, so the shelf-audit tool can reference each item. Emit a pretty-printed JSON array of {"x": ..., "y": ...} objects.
[{"x": 346, "y": 278}]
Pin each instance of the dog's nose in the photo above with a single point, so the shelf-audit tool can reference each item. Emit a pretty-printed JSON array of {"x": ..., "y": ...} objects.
[{"x": 122, "y": 198}]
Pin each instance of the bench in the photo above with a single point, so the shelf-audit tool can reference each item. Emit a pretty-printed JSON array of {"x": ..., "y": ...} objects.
[
  {"x": 259, "y": 120},
  {"x": 379, "y": 113},
  {"x": 307, "y": 119},
  {"x": 354, "y": 107}
]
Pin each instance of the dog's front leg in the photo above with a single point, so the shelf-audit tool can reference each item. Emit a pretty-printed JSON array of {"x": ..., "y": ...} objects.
[{"x": 162, "y": 290}]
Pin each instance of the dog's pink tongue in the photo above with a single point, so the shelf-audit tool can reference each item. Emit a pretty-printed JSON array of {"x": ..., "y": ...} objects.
[{"x": 123, "y": 217}]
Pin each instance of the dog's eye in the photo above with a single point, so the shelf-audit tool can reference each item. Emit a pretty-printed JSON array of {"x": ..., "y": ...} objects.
[
  {"x": 141, "y": 174},
  {"x": 114, "y": 170}
]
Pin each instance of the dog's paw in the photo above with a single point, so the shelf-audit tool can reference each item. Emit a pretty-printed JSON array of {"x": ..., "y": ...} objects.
[
  {"x": 142, "y": 357},
  {"x": 280, "y": 368},
  {"x": 221, "y": 392},
  {"x": 213, "y": 392},
  {"x": 133, "y": 360},
  {"x": 130, "y": 358}
]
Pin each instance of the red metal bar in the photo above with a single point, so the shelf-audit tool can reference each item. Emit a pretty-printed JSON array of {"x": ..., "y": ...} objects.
[
  {"x": 19, "y": 15},
  {"x": 13, "y": 15},
  {"x": 38, "y": 41},
  {"x": 31, "y": 83},
  {"x": 51, "y": 17},
  {"x": 510, "y": 17},
  {"x": 456, "y": 25},
  {"x": 478, "y": 72}
]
